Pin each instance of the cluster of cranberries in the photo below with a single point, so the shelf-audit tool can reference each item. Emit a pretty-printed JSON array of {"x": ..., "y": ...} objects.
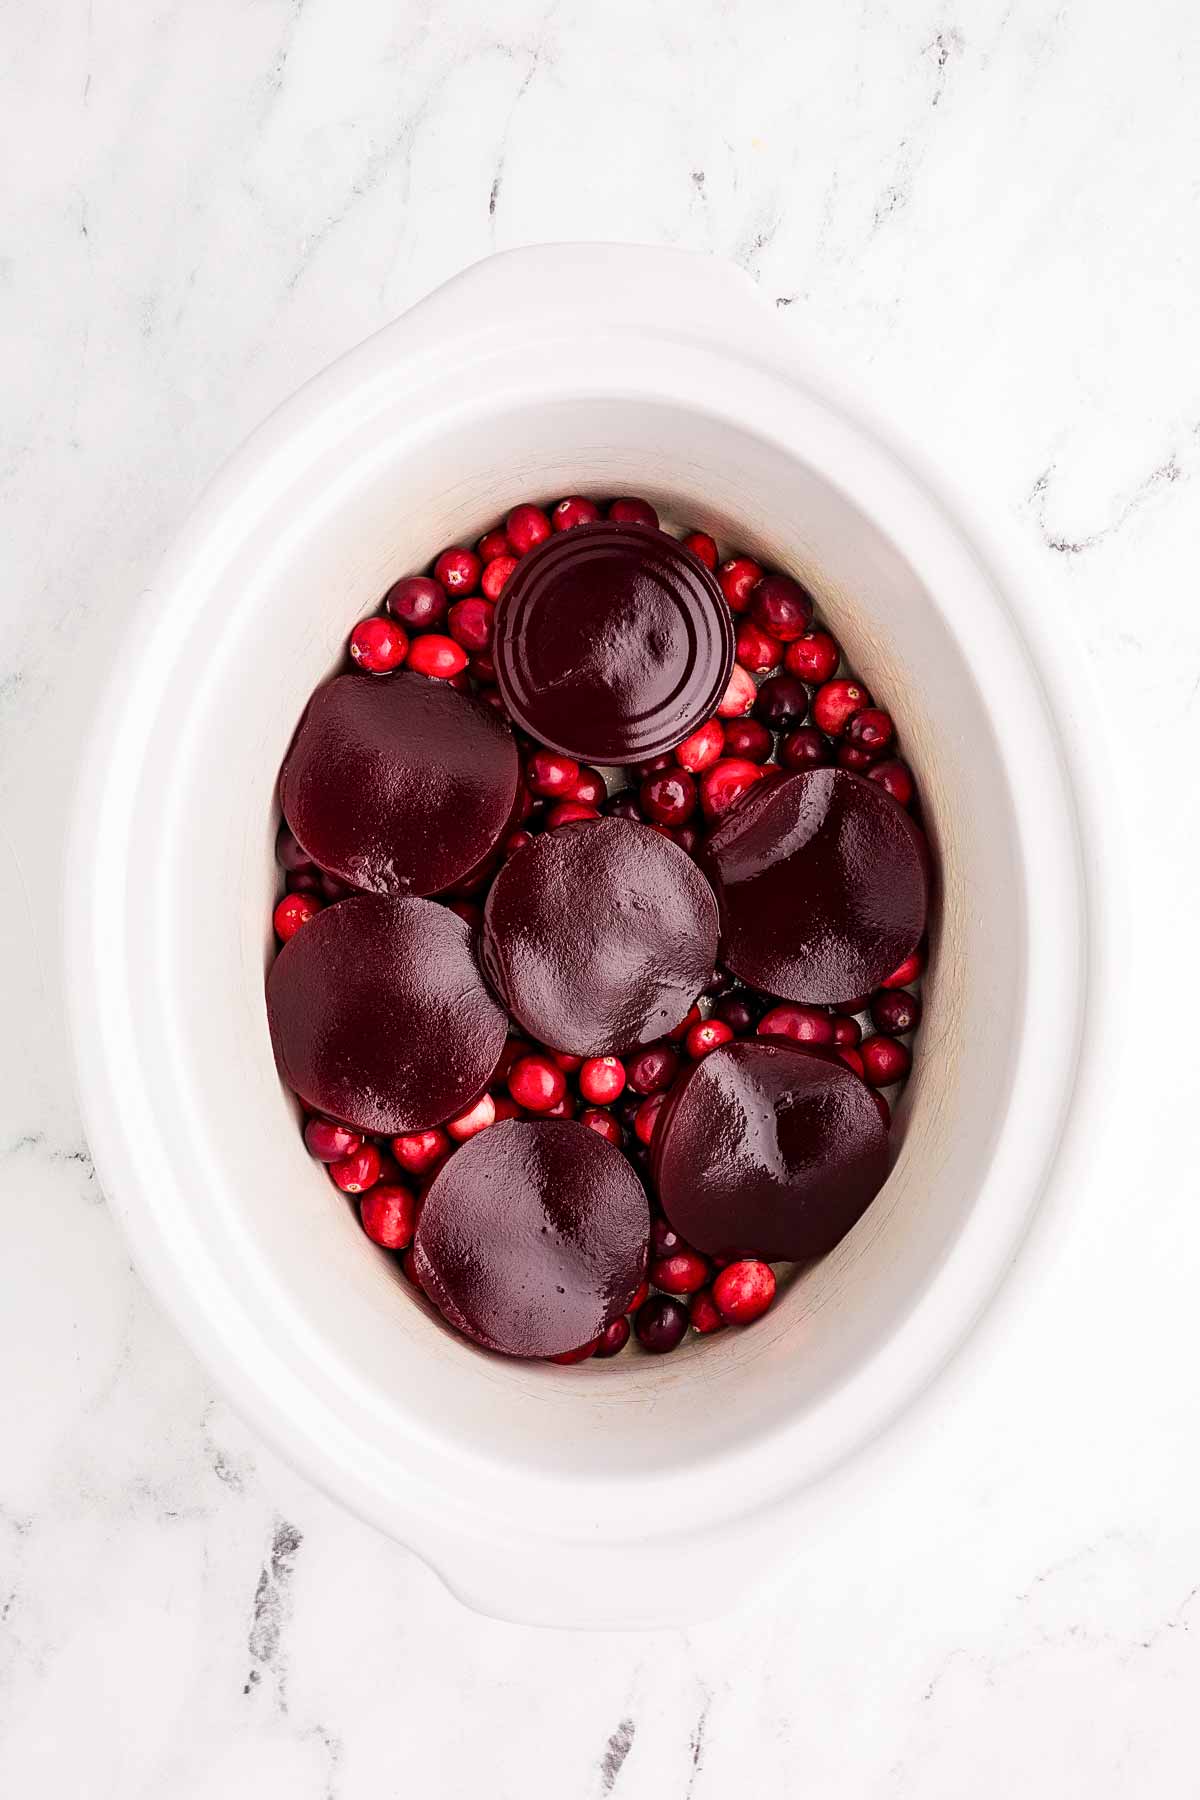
[{"x": 785, "y": 708}]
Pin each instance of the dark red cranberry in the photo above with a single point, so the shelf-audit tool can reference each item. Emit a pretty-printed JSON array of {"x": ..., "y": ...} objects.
[
  {"x": 721, "y": 982},
  {"x": 706, "y": 1037},
  {"x": 736, "y": 1012},
  {"x": 871, "y": 730},
  {"x": 757, "y": 650},
  {"x": 722, "y": 786},
  {"x": 782, "y": 702},
  {"x": 536, "y": 1083},
  {"x": 684, "y": 1272},
  {"x": 670, "y": 798},
  {"x": 409, "y": 1271},
  {"x": 569, "y": 812},
  {"x": 481, "y": 668},
  {"x": 651, "y": 1070},
  {"x": 303, "y": 881},
  {"x": 420, "y": 1150},
  {"x": 647, "y": 1117},
  {"x": 458, "y": 571},
  {"x": 589, "y": 789},
  {"x": 525, "y": 528},
  {"x": 664, "y": 1239},
  {"x": 782, "y": 607},
  {"x": 378, "y": 645},
  {"x": 289, "y": 854},
  {"x": 702, "y": 749},
  {"x": 437, "y": 656},
  {"x": 847, "y": 1008},
  {"x": 895, "y": 1011},
  {"x": 882, "y": 1108},
  {"x": 813, "y": 657},
  {"x": 655, "y": 765},
  {"x": 622, "y": 806},
  {"x": 739, "y": 696},
  {"x": 418, "y": 602},
  {"x": 516, "y": 840},
  {"x": 495, "y": 576},
  {"x": 907, "y": 973},
  {"x": 552, "y": 776},
  {"x": 565, "y": 1108},
  {"x": 835, "y": 704},
  {"x": 576, "y": 1356},
  {"x": 703, "y": 1313},
  {"x": 596, "y": 1119},
  {"x": 293, "y": 911},
  {"x": 356, "y": 1173},
  {"x": 895, "y": 777},
  {"x": 805, "y": 748},
  {"x": 847, "y": 1033},
  {"x": 852, "y": 1058},
  {"x": 639, "y": 1299},
  {"x": 569, "y": 1065},
  {"x": 633, "y": 512},
  {"x": 602, "y": 1079},
  {"x": 850, "y": 757},
  {"x": 477, "y": 1118},
  {"x": 614, "y": 1337},
  {"x": 467, "y": 910},
  {"x": 506, "y": 1108},
  {"x": 627, "y": 1109},
  {"x": 328, "y": 1142},
  {"x": 574, "y": 510},
  {"x": 471, "y": 624},
  {"x": 389, "y": 1216},
  {"x": 738, "y": 578},
  {"x": 803, "y": 1024},
  {"x": 660, "y": 1324},
  {"x": 702, "y": 547},
  {"x": 746, "y": 737},
  {"x": 496, "y": 543},
  {"x": 743, "y": 1290},
  {"x": 885, "y": 1060}
]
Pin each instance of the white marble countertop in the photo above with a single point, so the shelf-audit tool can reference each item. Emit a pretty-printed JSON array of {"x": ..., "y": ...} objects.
[{"x": 986, "y": 212}]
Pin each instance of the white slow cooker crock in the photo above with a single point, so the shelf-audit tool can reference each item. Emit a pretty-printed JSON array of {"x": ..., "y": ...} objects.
[{"x": 594, "y": 1494}]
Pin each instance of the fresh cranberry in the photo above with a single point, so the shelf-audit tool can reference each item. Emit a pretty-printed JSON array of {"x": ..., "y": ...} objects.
[
  {"x": 293, "y": 911},
  {"x": 495, "y": 700},
  {"x": 590, "y": 788},
  {"x": 329, "y": 1142},
  {"x": 570, "y": 1065},
  {"x": 614, "y": 1337},
  {"x": 660, "y": 1324},
  {"x": 496, "y": 543},
  {"x": 468, "y": 911},
  {"x": 516, "y": 840},
  {"x": 417, "y": 602},
  {"x": 871, "y": 730},
  {"x": 805, "y": 748},
  {"x": 632, "y": 512},
  {"x": 857, "y": 760},
  {"x": 302, "y": 881},
  {"x": 355, "y": 1174},
  {"x": 895, "y": 1011},
  {"x": 458, "y": 571},
  {"x": 562, "y": 1109},
  {"x": 506, "y": 1108},
  {"x": 738, "y": 578},
  {"x": 782, "y": 607},
  {"x": 333, "y": 889},
  {"x": 576, "y": 1356},
  {"x": 756, "y": 649},
  {"x": 651, "y": 1070},
  {"x": 813, "y": 658},
  {"x": 574, "y": 510},
  {"x": 882, "y": 1108},
  {"x": 744, "y": 1290},
  {"x": 602, "y": 1079},
  {"x": 654, "y": 765},
  {"x": 647, "y": 1117},
  {"x": 471, "y": 624},
  {"x": 703, "y": 1314},
  {"x": 847, "y": 1033},
  {"x": 378, "y": 645},
  {"x": 290, "y": 854},
  {"x": 389, "y": 1216},
  {"x": 481, "y": 668},
  {"x": 852, "y": 1058},
  {"x": 552, "y": 776},
  {"x": 596, "y": 1119},
  {"x": 803, "y": 1024},
  {"x": 669, "y": 799},
  {"x": 782, "y": 702},
  {"x": 895, "y": 777},
  {"x": 686, "y": 1272},
  {"x": 664, "y": 1239},
  {"x": 735, "y": 1011},
  {"x": 906, "y": 974},
  {"x": 640, "y": 1298},
  {"x": 702, "y": 547},
  {"x": 835, "y": 704},
  {"x": 420, "y": 1150},
  {"x": 706, "y": 1037},
  {"x": 746, "y": 737},
  {"x": 702, "y": 749},
  {"x": 477, "y": 1118},
  {"x": 495, "y": 576},
  {"x": 739, "y": 696},
  {"x": 569, "y": 812},
  {"x": 622, "y": 806},
  {"x": 437, "y": 656},
  {"x": 536, "y": 1083},
  {"x": 526, "y": 527},
  {"x": 722, "y": 786},
  {"x": 885, "y": 1060}
]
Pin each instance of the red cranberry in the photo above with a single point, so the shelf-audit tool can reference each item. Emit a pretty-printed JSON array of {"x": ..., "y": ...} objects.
[
  {"x": 516, "y": 840},
  {"x": 506, "y": 1108},
  {"x": 417, "y": 602},
  {"x": 706, "y": 1037},
  {"x": 722, "y": 981},
  {"x": 660, "y": 1324},
  {"x": 496, "y": 543},
  {"x": 651, "y": 1070},
  {"x": 574, "y": 510},
  {"x": 805, "y": 748},
  {"x": 481, "y": 668},
  {"x": 687, "y": 837},
  {"x": 744, "y": 1290},
  {"x": 495, "y": 576},
  {"x": 576, "y": 1356},
  {"x": 722, "y": 786},
  {"x": 746, "y": 737},
  {"x": 702, "y": 1311},
  {"x": 782, "y": 607},
  {"x": 782, "y": 702},
  {"x": 654, "y": 765},
  {"x": 569, "y": 1065},
  {"x": 882, "y": 1108},
  {"x": 664, "y": 1239},
  {"x": 302, "y": 881},
  {"x": 293, "y": 911},
  {"x": 640, "y": 1298},
  {"x": 702, "y": 547},
  {"x": 803, "y": 1024},
  {"x": 526, "y": 527},
  {"x": 686, "y": 1272},
  {"x": 458, "y": 571},
  {"x": 756, "y": 650},
  {"x": 895, "y": 777},
  {"x": 894, "y": 1011},
  {"x": 871, "y": 730},
  {"x": 739, "y": 696},
  {"x": 614, "y": 1337},
  {"x": 420, "y": 1150},
  {"x": 468, "y": 912},
  {"x": 851, "y": 757},
  {"x": 623, "y": 806},
  {"x": 813, "y": 657},
  {"x": 355, "y": 1174},
  {"x": 852, "y": 1059},
  {"x": 536, "y": 1083},
  {"x": 477, "y": 1118},
  {"x": 329, "y": 1142},
  {"x": 471, "y": 623},
  {"x": 389, "y": 1216},
  {"x": 647, "y": 1117},
  {"x": 590, "y": 788},
  {"x": 378, "y": 645},
  {"x": 906, "y": 974},
  {"x": 601, "y": 1079},
  {"x": 735, "y": 1011},
  {"x": 290, "y": 854},
  {"x": 885, "y": 1060},
  {"x": 669, "y": 799},
  {"x": 847, "y": 1033},
  {"x": 562, "y": 1109},
  {"x": 738, "y": 578},
  {"x": 596, "y": 1119},
  {"x": 632, "y": 512},
  {"x": 569, "y": 812},
  {"x": 835, "y": 704},
  {"x": 702, "y": 749},
  {"x": 552, "y": 776},
  {"x": 847, "y": 1008},
  {"x": 681, "y": 1030},
  {"x": 437, "y": 656}
]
